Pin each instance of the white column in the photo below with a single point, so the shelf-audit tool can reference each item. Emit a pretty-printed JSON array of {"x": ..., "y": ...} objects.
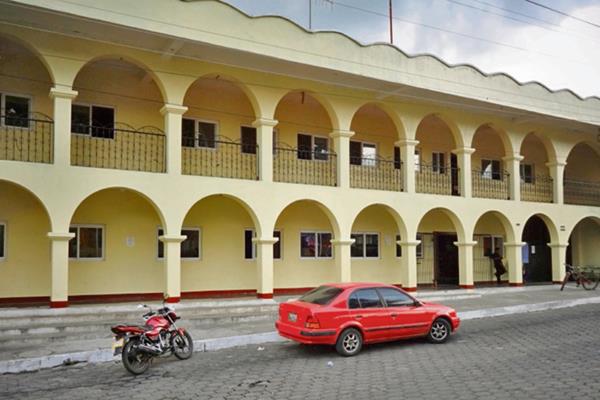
[
  {"x": 465, "y": 264},
  {"x": 62, "y": 98},
  {"x": 264, "y": 266},
  {"x": 264, "y": 136},
  {"x": 512, "y": 164},
  {"x": 559, "y": 258},
  {"x": 343, "y": 259},
  {"x": 172, "y": 114},
  {"x": 59, "y": 295},
  {"x": 408, "y": 264},
  {"x": 407, "y": 156},
  {"x": 172, "y": 247},
  {"x": 342, "y": 148},
  {"x": 463, "y": 156},
  {"x": 514, "y": 263},
  {"x": 557, "y": 171}
]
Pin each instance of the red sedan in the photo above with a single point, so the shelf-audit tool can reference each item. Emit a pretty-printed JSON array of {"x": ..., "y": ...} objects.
[{"x": 349, "y": 314}]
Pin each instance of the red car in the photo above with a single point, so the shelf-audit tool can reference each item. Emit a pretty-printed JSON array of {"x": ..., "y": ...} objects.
[{"x": 349, "y": 314}]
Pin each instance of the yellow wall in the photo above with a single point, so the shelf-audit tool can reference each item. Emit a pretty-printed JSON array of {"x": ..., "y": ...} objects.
[
  {"x": 296, "y": 116},
  {"x": 434, "y": 136},
  {"x": 534, "y": 152},
  {"x": 370, "y": 124},
  {"x": 583, "y": 164},
  {"x": 584, "y": 243}
]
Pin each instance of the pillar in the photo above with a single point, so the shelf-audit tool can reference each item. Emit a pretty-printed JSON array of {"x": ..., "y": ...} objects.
[
  {"x": 343, "y": 263},
  {"x": 463, "y": 157},
  {"x": 514, "y": 262},
  {"x": 59, "y": 295},
  {"x": 62, "y": 98},
  {"x": 172, "y": 246},
  {"x": 557, "y": 171},
  {"x": 264, "y": 264},
  {"x": 407, "y": 155},
  {"x": 172, "y": 114},
  {"x": 559, "y": 258},
  {"x": 341, "y": 141},
  {"x": 465, "y": 264},
  {"x": 264, "y": 136},
  {"x": 408, "y": 264},
  {"x": 513, "y": 166}
]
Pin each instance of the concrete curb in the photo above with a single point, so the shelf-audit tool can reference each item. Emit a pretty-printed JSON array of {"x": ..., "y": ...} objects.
[{"x": 105, "y": 355}]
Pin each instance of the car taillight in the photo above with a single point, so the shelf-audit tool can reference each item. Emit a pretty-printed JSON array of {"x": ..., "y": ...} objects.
[{"x": 312, "y": 322}]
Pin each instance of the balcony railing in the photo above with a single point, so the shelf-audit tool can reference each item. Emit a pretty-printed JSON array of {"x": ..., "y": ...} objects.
[
  {"x": 304, "y": 166},
  {"x": 436, "y": 179},
  {"x": 376, "y": 173},
  {"x": 582, "y": 192},
  {"x": 489, "y": 185},
  {"x": 26, "y": 139},
  {"x": 121, "y": 147},
  {"x": 223, "y": 158},
  {"x": 540, "y": 189}
]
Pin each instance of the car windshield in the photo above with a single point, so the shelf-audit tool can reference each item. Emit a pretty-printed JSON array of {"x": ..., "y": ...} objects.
[{"x": 321, "y": 295}]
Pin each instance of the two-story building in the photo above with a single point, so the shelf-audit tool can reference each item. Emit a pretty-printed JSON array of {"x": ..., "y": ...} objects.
[{"x": 187, "y": 149}]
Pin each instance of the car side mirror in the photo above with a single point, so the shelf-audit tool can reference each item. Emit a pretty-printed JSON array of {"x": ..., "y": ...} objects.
[{"x": 418, "y": 303}]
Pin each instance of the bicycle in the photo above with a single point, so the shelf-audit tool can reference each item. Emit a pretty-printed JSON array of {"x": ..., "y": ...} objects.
[{"x": 589, "y": 278}]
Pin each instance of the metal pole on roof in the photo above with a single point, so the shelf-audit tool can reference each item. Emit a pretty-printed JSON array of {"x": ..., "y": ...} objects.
[
  {"x": 391, "y": 24},
  {"x": 310, "y": 14}
]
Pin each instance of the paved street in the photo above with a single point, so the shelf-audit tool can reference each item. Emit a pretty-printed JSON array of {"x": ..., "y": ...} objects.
[{"x": 543, "y": 355}]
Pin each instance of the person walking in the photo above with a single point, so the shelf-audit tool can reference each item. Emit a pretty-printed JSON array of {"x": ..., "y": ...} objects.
[{"x": 498, "y": 265}]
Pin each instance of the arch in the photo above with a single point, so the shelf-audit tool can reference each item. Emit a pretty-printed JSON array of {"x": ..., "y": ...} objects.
[
  {"x": 31, "y": 192},
  {"x": 511, "y": 235},
  {"x": 498, "y": 131},
  {"x": 33, "y": 50},
  {"x": 538, "y": 264},
  {"x": 544, "y": 140},
  {"x": 326, "y": 210},
  {"x": 321, "y": 100},
  {"x": 450, "y": 124},
  {"x": 400, "y": 224},
  {"x": 390, "y": 113},
  {"x": 550, "y": 225},
  {"x": 584, "y": 237},
  {"x": 593, "y": 217},
  {"x": 456, "y": 222}
]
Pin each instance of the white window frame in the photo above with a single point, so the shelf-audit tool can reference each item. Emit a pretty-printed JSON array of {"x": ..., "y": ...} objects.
[
  {"x": 3, "y": 244},
  {"x": 435, "y": 166},
  {"x": 312, "y": 145},
  {"x": 490, "y": 176},
  {"x": 3, "y": 107},
  {"x": 90, "y": 105},
  {"x": 364, "y": 249},
  {"x": 254, "y": 244},
  {"x": 217, "y": 129},
  {"x": 77, "y": 257},
  {"x": 521, "y": 177},
  {"x": 417, "y": 159},
  {"x": 421, "y": 246},
  {"x": 185, "y": 228},
  {"x": 317, "y": 243},
  {"x": 362, "y": 154}
]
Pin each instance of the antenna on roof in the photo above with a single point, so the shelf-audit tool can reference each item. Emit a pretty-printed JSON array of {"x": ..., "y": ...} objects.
[
  {"x": 391, "y": 24},
  {"x": 330, "y": 2}
]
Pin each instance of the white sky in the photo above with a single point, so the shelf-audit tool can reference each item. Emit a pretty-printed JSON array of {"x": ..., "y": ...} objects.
[{"x": 557, "y": 51}]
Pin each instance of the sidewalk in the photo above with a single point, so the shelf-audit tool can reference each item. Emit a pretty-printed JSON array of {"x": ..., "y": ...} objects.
[{"x": 58, "y": 337}]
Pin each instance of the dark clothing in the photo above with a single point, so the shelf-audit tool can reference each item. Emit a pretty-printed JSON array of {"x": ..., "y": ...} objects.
[{"x": 498, "y": 266}]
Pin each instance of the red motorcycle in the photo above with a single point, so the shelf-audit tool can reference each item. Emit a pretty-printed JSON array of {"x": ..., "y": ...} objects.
[{"x": 138, "y": 345}]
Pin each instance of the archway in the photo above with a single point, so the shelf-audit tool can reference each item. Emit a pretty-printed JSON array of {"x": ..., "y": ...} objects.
[
  {"x": 582, "y": 175},
  {"x": 536, "y": 183},
  {"x": 583, "y": 243},
  {"x": 492, "y": 230},
  {"x": 489, "y": 177},
  {"x": 537, "y": 257}
]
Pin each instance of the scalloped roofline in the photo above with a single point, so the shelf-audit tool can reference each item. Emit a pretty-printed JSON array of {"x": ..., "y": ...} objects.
[{"x": 407, "y": 55}]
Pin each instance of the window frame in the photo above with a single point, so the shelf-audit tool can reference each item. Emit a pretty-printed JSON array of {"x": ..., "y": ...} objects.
[
  {"x": 90, "y": 106},
  {"x": 417, "y": 159},
  {"x": 435, "y": 162},
  {"x": 3, "y": 107},
  {"x": 493, "y": 175},
  {"x": 355, "y": 292},
  {"x": 185, "y": 228},
  {"x": 420, "y": 254},
  {"x": 364, "y": 247},
  {"x": 197, "y": 131},
  {"x": 254, "y": 252},
  {"x": 3, "y": 245},
  {"x": 385, "y": 303},
  {"x": 312, "y": 147},
  {"x": 493, "y": 239},
  {"x": 362, "y": 153},
  {"x": 78, "y": 235},
  {"x": 522, "y": 176},
  {"x": 317, "y": 244},
  {"x": 242, "y": 140}
]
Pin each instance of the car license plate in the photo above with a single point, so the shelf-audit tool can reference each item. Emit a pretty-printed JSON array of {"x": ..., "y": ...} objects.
[
  {"x": 117, "y": 347},
  {"x": 292, "y": 317}
]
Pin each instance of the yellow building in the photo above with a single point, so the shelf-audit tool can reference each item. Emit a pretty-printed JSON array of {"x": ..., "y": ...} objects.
[{"x": 184, "y": 148}]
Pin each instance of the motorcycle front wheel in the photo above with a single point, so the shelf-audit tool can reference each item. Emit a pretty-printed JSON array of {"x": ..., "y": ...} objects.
[
  {"x": 135, "y": 361},
  {"x": 183, "y": 345}
]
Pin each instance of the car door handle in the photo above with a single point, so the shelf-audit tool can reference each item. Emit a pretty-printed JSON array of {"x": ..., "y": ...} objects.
[
  {"x": 357, "y": 316},
  {"x": 394, "y": 314}
]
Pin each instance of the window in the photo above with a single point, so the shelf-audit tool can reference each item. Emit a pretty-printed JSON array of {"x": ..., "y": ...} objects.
[
  {"x": 366, "y": 245},
  {"x": 490, "y": 169},
  {"x": 420, "y": 246},
  {"x": 417, "y": 160},
  {"x": 322, "y": 295},
  {"x": 365, "y": 298},
  {"x": 491, "y": 243},
  {"x": 15, "y": 110},
  {"x": 313, "y": 147},
  {"x": 397, "y": 160},
  {"x": 250, "y": 246},
  {"x": 2, "y": 240},
  {"x": 315, "y": 245},
  {"x": 197, "y": 133},
  {"x": 438, "y": 163},
  {"x": 87, "y": 243},
  {"x": 363, "y": 154},
  {"x": 395, "y": 298},
  {"x": 190, "y": 247},
  {"x": 398, "y": 247},
  {"x": 98, "y": 121},
  {"x": 527, "y": 173},
  {"x": 248, "y": 135}
]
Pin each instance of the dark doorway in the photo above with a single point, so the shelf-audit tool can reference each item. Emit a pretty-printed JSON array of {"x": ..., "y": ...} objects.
[
  {"x": 446, "y": 259},
  {"x": 537, "y": 259},
  {"x": 454, "y": 175}
]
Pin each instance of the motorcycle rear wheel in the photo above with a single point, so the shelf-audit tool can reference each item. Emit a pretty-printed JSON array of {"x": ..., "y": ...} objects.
[
  {"x": 134, "y": 361},
  {"x": 183, "y": 345}
]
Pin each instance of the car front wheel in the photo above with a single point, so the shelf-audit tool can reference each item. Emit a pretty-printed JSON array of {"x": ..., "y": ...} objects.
[
  {"x": 349, "y": 343},
  {"x": 439, "y": 331}
]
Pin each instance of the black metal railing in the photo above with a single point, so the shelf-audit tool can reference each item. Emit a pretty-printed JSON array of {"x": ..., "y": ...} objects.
[
  {"x": 119, "y": 147},
  {"x": 435, "y": 179},
  {"x": 582, "y": 192},
  {"x": 27, "y": 139},
  {"x": 375, "y": 173},
  {"x": 538, "y": 188},
  {"x": 220, "y": 157},
  {"x": 490, "y": 185},
  {"x": 304, "y": 166}
]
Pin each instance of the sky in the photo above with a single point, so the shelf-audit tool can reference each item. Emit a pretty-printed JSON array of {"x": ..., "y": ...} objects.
[{"x": 513, "y": 36}]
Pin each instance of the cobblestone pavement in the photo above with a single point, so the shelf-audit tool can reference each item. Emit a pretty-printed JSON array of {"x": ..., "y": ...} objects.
[{"x": 543, "y": 355}]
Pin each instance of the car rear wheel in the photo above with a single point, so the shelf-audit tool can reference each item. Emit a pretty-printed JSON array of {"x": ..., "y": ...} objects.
[
  {"x": 439, "y": 331},
  {"x": 349, "y": 343}
]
